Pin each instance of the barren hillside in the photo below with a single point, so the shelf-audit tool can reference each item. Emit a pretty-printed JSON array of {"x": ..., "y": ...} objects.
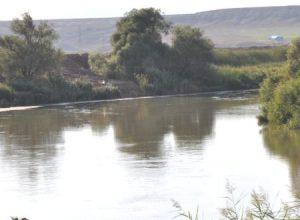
[{"x": 227, "y": 28}]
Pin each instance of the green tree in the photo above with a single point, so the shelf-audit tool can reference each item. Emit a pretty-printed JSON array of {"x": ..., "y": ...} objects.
[
  {"x": 279, "y": 95},
  {"x": 137, "y": 43},
  {"x": 193, "y": 53},
  {"x": 30, "y": 51},
  {"x": 293, "y": 56}
]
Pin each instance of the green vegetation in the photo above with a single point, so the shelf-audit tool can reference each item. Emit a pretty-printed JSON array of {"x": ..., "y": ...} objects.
[
  {"x": 250, "y": 56},
  {"x": 247, "y": 77},
  {"x": 54, "y": 88},
  {"x": 137, "y": 43},
  {"x": 30, "y": 51},
  {"x": 140, "y": 55},
  {"x": 193, "y": 55},
  {"x": 280, "y": 93},
  {"x": 30, "y": 65},
  {"x": 189, "y": 64},
  {"x": 32, "y": 69}
]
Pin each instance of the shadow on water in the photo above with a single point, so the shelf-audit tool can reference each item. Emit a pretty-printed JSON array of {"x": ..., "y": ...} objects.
[{"x": 285, "y": 144}]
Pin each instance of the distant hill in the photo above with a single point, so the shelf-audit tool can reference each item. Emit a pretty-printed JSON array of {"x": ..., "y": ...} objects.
[{"x": 242, "y": 27}]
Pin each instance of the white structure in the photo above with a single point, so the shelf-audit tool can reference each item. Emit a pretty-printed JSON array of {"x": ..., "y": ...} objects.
[{"x": 276, "y": 38}]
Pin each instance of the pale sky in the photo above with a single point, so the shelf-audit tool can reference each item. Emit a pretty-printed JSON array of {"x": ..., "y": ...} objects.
[{"x": 49, "y": 9}]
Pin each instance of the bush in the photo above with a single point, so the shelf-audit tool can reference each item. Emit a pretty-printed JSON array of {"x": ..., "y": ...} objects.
[
  {"x": 106, "y": 66},
  {"x": 106, "y": 93},
  {"x": 284, "y": 108},
  {"x": 22, "y": 84},
  {"x": 280, "y": 95},
  {"x": 144, "y": 83},
  {"x": 280, "y": 101},
  {"x": 83, "y": 90},
  {"x": 157, "y": 82},
  {"x": 6, "y": 95},
  {"x": 6, "y": 92},
  {"x": 52, "y": 89},
  {"x": 99, "y": 64}
]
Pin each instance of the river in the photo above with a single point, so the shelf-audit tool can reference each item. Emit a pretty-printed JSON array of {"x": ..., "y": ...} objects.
[{"x": 128, "y": 159}]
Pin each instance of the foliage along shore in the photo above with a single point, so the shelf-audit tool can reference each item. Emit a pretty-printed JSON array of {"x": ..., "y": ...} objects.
[{"x": 33, "y": 71}]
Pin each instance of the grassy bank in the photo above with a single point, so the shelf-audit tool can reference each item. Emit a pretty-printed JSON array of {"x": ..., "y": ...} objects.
[{"x": 59, "y": 88}]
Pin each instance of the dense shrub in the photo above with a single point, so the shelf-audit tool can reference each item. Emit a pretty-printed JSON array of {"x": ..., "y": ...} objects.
[
  {"x": 6, "y": 95},
  {"x": 107, "y": 92},
  {"x": 281, "y": 101},
  {"x": 280, "y": 94},
  {"x": 99, "y": 64},
  {"x": 54, "y": 88},
  {"x": 144, "y": 83},
  {"x": 80, "y": 90},
  {"x": 157, "y": 82},
  {"x": 293, "y": 55}
]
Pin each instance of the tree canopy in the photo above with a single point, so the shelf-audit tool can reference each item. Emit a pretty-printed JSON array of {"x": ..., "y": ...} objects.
[
  {"x": 137, "y": 43},
  {"x": 138, "y": 48},
  {"x": 193, "y": 52},
  {"x": 145, "y": 25},
  {"x": 30, "y": 51},
  {"x": 280, "y": 94},
  {"x": 293, "y": 56}
]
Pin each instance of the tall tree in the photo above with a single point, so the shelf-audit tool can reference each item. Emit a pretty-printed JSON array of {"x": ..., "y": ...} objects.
[
  {"x": 30, "y": 51},
  {"x": 193, "y": 53},
  {"x": 137, "y": 42}
]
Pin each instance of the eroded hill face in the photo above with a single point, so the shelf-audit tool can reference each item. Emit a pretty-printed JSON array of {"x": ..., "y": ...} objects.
[{"x": 227, "y": 28}]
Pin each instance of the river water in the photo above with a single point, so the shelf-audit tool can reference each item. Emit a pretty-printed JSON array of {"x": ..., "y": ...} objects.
[{"x": 129, "y": 159}]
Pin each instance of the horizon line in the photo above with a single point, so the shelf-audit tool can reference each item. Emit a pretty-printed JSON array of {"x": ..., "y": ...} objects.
[{"x": 192, "y": 13}]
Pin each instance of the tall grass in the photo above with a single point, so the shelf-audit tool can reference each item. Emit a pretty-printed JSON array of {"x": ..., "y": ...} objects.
[
  {"x": 259, "y": 207},
  {"x": 250, "y": 56},
  {"x": 247, "y": 77}
]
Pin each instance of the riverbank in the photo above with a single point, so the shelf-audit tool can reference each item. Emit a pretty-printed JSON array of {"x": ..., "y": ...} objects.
[{"x": 76, "y": 82}]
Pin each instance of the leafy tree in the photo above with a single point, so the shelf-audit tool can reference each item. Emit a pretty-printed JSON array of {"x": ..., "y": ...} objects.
[
  {"x": 137, "y": 43},
  {"x": 293, "y": 56},
  {"x": 30, "y": 51},
  {"x": 193, "y": 53},
  {"x": 280, "y": 95}
]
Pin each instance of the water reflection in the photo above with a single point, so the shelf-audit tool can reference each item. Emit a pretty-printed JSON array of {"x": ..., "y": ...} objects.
[
  {"x": 123, "y": 155},
  {"x": 30, "y": 140},
  {"x": 286, "y": 144}
]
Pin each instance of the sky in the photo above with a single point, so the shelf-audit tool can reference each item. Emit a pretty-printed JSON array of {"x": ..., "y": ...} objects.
[{"x": 54, "y": 9}]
